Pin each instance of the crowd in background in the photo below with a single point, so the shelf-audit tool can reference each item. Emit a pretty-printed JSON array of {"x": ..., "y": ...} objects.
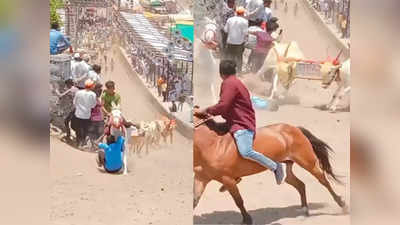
[
  {"x": 247, "y": 24},
  {"x": 171, "y": 79},
  {"x": 335, "y": 12}
]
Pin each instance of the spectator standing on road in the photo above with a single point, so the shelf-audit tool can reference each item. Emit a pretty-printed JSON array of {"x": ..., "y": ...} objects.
[
  {"x": 159, "y": 83},
  {"x": 79, "y": 71},
  {"x": 66, "y": 103},
  {"x": 164, "y": 87},
  {"x": 84, "y": 101},
  {"x": 326, "y": 9},
  {"x": 94, "y": 74},
  {"x": 321, "y": 5},
  {"x": 237, "y": 29},
  {"x": 255, "y": 10},
  {"x": 227, "y": 12},
  {"x": 110, "y": 96},
  {"x": 264, "y": 44},
  {"x": 86, "y": 59},
  {"x": 96, "y": 127},
  {"x": 267, "y": 11},
  {"x": 112, "y": 64}
]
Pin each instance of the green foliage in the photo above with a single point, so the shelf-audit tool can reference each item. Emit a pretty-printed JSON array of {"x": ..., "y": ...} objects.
[{"x": 54, "y": 16}]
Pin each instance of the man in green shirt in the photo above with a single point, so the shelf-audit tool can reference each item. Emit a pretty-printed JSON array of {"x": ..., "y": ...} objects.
[{"x": 110, "y": 96}]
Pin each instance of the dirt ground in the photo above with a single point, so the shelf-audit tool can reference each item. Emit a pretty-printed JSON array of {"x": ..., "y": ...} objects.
[
  {"x": 157, "y": 189},
  {"x": 267, "y": 202}
]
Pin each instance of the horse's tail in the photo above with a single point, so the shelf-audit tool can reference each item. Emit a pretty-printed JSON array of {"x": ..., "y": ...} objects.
[{"x": 322, "y": 150}]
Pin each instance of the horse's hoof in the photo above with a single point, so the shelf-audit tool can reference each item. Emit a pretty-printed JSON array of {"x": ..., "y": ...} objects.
[
  {"x": 304, "y": 210},
  {"x": 345, "y": 209},
  {"x": 222, "y": 188},
  {"x": 247, "y": 220}
]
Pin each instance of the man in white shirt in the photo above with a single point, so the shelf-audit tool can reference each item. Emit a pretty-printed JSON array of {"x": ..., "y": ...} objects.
[
  {"x": 79, "y": 71},
  {"x": 86, "y": 59},
  {"x": 84, "y": 101},
  {"x": 74, "y": 62},
  {"x": 255, "y": 10},
  {"x": 94, "y": 74},
  {"x": 237, "y": 29},
  {"x": 267, "y": 11}
]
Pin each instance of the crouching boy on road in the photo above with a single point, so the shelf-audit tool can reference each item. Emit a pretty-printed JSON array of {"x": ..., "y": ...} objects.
[{"x": 110, "y": 155}]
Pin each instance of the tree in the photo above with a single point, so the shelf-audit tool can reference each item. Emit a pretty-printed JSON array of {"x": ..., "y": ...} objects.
[{"x": 54, "y": 16}]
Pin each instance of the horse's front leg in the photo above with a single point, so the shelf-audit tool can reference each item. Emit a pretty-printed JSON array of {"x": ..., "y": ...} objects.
[
  {"x": 199, "y": 185},
  {"x": 230, "y": 184}
]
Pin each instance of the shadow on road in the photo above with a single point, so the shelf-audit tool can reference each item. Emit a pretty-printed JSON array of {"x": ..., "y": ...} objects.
[{"x": 260, "y": 216}]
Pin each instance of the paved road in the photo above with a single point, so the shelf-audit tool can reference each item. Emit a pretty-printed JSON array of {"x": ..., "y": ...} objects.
[{"x": 158, "y": 189}]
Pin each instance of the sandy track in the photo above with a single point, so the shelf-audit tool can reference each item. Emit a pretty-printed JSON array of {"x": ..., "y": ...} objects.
[{"x": 158, "y": 189}]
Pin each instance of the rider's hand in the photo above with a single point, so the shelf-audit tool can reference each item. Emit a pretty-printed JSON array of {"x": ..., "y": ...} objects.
[{"x": 200, "y": 112}]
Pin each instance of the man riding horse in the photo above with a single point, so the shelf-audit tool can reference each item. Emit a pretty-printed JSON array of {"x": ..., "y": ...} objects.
[{"x": 236, "y": 108}]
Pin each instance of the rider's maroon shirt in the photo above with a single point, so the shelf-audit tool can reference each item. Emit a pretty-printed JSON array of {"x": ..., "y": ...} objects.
[{"x": 235, "y": 105}]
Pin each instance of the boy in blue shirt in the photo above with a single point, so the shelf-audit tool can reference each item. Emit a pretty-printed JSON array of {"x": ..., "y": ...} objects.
[{"x": 111, "y": 156}]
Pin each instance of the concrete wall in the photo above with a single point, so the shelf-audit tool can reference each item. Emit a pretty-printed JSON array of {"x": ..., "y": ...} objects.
[{"x": 329, "y": 33}]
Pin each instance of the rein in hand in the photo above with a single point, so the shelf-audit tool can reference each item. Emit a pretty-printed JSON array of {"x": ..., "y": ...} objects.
[{"x": 202, "y": 121}]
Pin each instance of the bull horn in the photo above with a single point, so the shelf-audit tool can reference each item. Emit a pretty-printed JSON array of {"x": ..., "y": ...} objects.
[{"x": 287, "y": 50}]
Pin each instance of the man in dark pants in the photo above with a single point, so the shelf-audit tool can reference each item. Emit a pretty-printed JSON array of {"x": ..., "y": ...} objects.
[
  {"x": 237, "y": 29},
  {"x": 84, "y": 101}
]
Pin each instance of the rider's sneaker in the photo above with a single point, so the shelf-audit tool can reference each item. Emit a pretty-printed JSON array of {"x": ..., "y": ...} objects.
[{"x": 280, "y": 173}]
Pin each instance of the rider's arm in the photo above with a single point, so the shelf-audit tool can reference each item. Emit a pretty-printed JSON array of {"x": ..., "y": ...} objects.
[{"x": 228, "y": 94}]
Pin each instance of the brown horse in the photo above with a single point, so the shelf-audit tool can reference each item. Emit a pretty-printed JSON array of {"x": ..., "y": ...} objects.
[{"x": 216, "y": 158}]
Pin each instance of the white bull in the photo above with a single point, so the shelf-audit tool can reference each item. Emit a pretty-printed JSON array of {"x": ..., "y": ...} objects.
[
  {"x": 279, "y": 65},
  {"x": 341, "y": 75}
]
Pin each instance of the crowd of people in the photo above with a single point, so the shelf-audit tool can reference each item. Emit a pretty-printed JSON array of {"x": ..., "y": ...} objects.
[
  {"x": 335, "y": 12},
  {"x": 247, "y": 24},
  {"x": 170, "y": 81},
  {"x": 86, "y": 106}
]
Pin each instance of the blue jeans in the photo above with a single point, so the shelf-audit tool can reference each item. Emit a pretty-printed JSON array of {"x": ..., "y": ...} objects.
[{"x": 244, "y": 142}]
